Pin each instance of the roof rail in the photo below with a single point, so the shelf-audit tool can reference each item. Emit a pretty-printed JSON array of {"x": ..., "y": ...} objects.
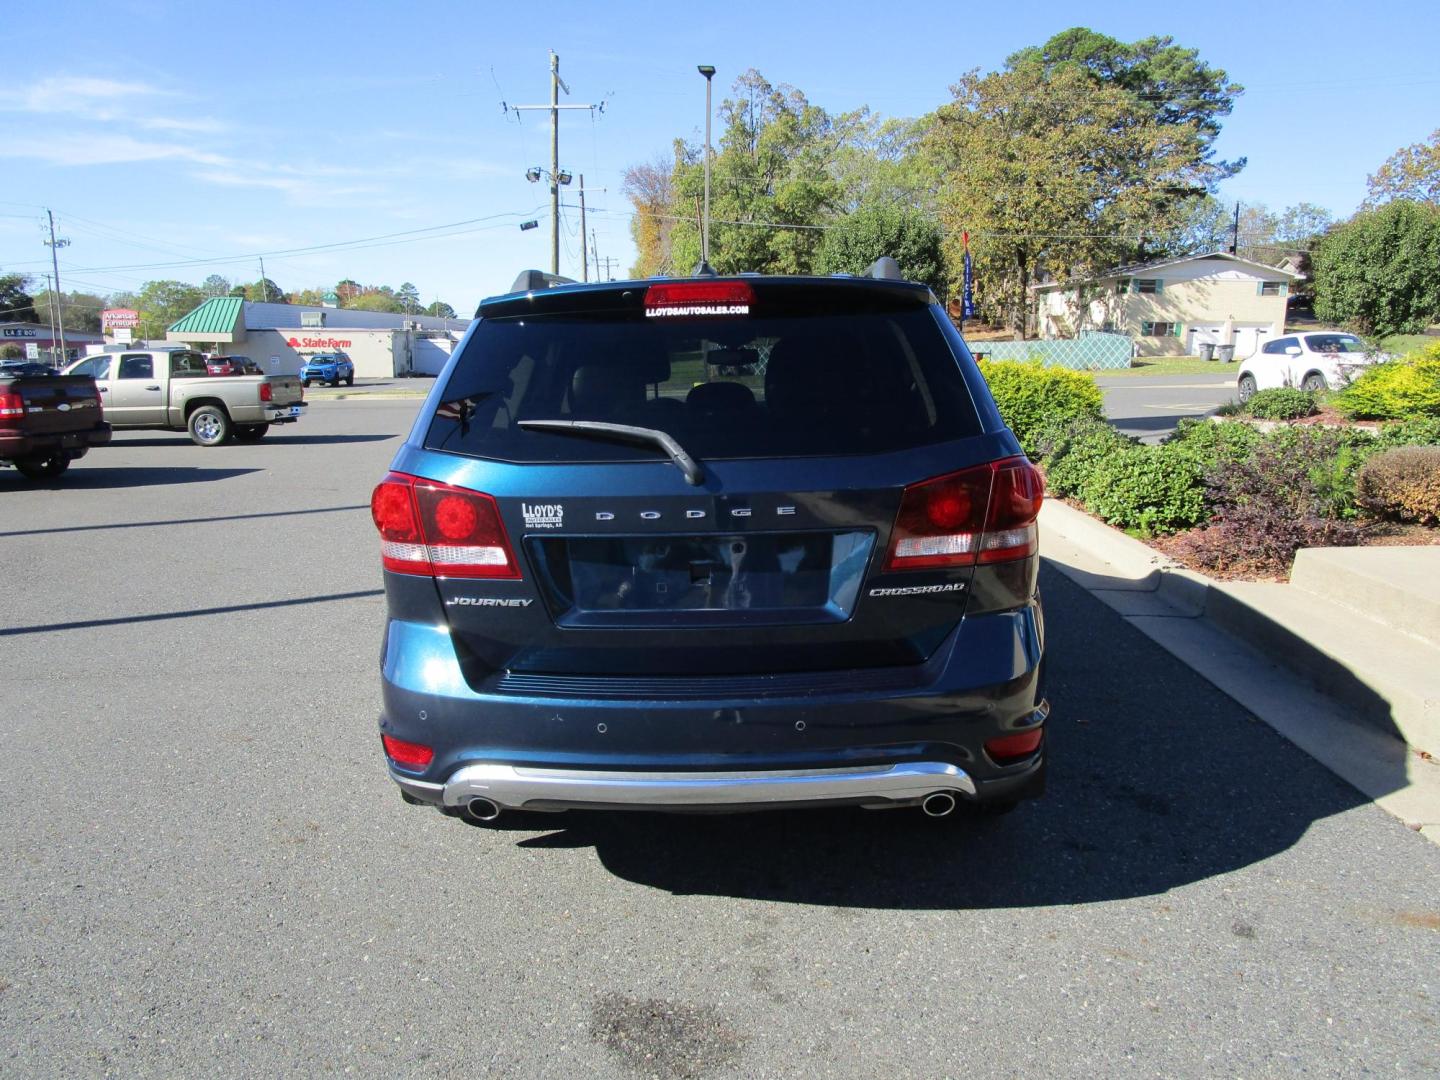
[
  {"x": 530, "y": 280},
  {"x": 885, "y": 269}
]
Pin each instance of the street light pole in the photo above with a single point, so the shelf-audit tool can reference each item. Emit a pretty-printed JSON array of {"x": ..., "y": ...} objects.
[{"x": 709, "y": 72}]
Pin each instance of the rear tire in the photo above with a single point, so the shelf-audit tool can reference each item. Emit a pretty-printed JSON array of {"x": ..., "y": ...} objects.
[
  {"x": 42, "y": 467},
  {"x": 1246, "y": 388},
  {"x": 1314, "y": 382},
  {"x": 250, "y": 433},
  {"x": 209, "y": 425}
]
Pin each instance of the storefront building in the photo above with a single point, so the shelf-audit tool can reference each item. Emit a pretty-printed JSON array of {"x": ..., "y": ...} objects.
[
  {"x": 17, "y": 337},
  {"x": 279, "y": 337}
]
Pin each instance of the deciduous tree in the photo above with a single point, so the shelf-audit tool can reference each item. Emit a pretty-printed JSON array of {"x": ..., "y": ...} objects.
[
  {"x": 1412, "y": 172},
  {"x": 1074, "y": 159},
  {"x": 879, "y": 228},
  {"x": 161, "y": 303},
  {"x": 1379, "y": 273},
  {"x": 772, "y": 187},
  {"x": 16, "y": 303}
]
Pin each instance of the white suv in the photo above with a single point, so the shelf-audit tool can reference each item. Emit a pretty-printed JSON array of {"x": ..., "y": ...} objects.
[{"x": 1318, "y": 360}]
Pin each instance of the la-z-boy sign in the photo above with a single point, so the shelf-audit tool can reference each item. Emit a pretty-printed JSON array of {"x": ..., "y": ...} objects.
[{"x": 298, "y": 343}]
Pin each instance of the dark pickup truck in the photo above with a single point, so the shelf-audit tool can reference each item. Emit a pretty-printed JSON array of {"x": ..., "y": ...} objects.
[{"x": 48, "y": 421}]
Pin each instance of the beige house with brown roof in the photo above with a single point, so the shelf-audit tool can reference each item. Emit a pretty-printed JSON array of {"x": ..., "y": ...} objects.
[{"x": 1174, "y": 306}]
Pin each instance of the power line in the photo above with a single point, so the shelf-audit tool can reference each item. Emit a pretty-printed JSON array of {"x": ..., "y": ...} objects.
[{"x": 383, "y": 240}]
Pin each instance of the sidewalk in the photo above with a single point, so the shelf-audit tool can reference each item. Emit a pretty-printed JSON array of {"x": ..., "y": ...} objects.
[{"x": 1356, "y": 687}]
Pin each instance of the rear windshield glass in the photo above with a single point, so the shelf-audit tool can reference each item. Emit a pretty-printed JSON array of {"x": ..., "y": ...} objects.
[{"x": 780, "y": 386}]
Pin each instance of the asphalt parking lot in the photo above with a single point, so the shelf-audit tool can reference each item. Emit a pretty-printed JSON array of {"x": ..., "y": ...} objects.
[{"x": 208, "y": 873}]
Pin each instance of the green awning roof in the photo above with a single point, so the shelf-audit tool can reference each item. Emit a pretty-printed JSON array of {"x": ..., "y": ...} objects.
[{"x": 218, "y": 315}]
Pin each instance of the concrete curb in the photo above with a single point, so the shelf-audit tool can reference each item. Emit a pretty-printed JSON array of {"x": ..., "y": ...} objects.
[{"x": 1222, "y": 638}]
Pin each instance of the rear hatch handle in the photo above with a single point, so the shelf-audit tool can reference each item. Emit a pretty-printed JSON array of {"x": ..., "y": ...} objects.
[{"x": 598, "y": 429}]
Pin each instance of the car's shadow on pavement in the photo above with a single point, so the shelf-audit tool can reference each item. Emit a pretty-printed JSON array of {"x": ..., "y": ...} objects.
[
  {"x": 79, "y": 478},
  {"x": 1157, "y": 780}
]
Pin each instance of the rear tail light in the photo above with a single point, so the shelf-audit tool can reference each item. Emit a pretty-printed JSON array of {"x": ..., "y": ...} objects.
[
  {"x": 12, "y": 408},
  {"x": 408, "y": 755},
  {"x": 267, "y": 392},
  {"x": 984, "y": 514},
  {"x": 432, "y": 528},
  {"x": 1008, "y": 749}
]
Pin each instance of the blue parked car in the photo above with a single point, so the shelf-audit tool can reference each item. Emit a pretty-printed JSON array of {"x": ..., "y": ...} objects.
[
  {"x": 712, "y": 544},
  {"x": 328, "y": 367}
]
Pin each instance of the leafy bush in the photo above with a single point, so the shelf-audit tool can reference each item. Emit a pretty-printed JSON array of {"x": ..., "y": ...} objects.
[
  {"x": 1403, "y": 484},
  {"x": 1282, "y": 403},
  {"x": 1150, "y": 489},
  {"x": 1211, "y": 445},
  {"x": 1395, "y": 390},
  {"x": 1030, "y": 397},
  {"x": 1283, "y": 496},
  {"x": 1418, "y": 431},
  {"x": 1069, "y": 450}
]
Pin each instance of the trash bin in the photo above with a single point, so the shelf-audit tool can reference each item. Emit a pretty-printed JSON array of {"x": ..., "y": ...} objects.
[
  {"x": 1207, "y": 350},
  {"x": 1225, "y": 353}
]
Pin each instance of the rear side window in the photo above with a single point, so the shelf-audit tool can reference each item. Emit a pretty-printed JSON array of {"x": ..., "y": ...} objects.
[
  {"x": 779, "y": 386},
  {"x": 187, "y": 364}
]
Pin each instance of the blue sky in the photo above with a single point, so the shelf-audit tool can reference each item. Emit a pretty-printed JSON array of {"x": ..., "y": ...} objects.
[{"x": 162, "y": 133}]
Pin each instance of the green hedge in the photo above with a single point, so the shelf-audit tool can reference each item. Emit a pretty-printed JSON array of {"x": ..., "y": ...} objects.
[
  {"x": 1395, "y": 390},
  {"x": 1031, "y": 398},
  {"x": 1282, "y": 403}
]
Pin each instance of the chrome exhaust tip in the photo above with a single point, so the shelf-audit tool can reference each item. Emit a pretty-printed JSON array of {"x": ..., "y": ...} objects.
[
  {"x": 481, "y": 809},
  {"x": 938, "y": 804}
]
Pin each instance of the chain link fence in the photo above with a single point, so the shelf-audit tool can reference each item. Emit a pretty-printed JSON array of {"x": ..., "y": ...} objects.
[{"x": 1089, "y": 352}]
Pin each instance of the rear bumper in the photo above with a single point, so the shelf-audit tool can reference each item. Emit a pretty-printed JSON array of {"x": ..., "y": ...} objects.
[
  {"x": 513, "y": 788},
  {"x": 76, "y": 443},
  {"x": 693, "y": 752}
]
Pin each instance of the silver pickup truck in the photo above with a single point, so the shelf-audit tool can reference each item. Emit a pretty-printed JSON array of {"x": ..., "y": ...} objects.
[{"x": 171, "y": 389}]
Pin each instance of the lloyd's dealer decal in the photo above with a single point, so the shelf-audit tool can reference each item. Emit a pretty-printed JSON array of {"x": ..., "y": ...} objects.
[
  {"x": 318, "y": 343},
  {"x": 543, "y": 515}
]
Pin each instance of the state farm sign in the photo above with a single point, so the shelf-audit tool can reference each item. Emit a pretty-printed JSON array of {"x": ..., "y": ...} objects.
[
  {"x": 318, "y": 343},
  {"x": 113, "y": 317}
]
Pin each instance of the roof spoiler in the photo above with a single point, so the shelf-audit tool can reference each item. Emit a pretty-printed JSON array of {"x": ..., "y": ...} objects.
[
  {"x": 530, "y": 280},
  {"x": 885, "y": 269}
]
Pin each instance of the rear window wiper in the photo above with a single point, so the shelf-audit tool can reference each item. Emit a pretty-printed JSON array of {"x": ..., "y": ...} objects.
[{"x": 625, "y": 433}]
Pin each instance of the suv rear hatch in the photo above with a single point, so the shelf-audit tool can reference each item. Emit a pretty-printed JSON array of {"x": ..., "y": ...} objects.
[{"x": 704, "y": 478}]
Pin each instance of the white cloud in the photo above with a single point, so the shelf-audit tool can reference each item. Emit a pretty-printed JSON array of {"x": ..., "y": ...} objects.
[
  {"x": 76, "y": 149},
  {"x": 109, "y": 101}
]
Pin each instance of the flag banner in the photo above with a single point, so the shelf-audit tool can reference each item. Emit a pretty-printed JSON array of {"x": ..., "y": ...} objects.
[{"x": 967, "y": 302}]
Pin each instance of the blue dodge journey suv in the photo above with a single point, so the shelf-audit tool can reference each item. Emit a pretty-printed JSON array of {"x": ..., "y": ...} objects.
[{"x": 716, "y": 543}]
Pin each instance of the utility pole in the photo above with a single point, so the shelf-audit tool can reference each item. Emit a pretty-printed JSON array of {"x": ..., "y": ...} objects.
[
  {"x": 264, "y": 288},
  {"x": 50, "y": 312},
  {"x": 595, "y": 250},
  {"x": 55, "y": 245},
  {"x": 584, "y": 261},
  {"x": 556, "y": 176},
  {"x": 1235, "y": 233}
]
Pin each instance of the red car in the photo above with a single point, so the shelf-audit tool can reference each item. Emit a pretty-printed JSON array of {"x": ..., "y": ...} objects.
[{"x": 232, "y": 365}]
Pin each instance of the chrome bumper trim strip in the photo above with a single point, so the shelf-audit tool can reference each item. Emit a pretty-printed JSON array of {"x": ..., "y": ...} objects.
[{"x": 514, "y": 788}]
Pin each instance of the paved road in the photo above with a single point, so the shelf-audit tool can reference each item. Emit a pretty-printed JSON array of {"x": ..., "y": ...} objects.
[
  {"x": 207, "y": 873},
  {"x": 1149, "y": 406}
]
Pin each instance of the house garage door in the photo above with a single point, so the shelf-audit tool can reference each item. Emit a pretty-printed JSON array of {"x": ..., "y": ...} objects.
[{"x": 1249, "y": 338}]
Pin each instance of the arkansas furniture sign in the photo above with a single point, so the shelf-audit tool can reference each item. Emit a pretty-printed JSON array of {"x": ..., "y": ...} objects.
[{"x": 111, "y": 318}]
